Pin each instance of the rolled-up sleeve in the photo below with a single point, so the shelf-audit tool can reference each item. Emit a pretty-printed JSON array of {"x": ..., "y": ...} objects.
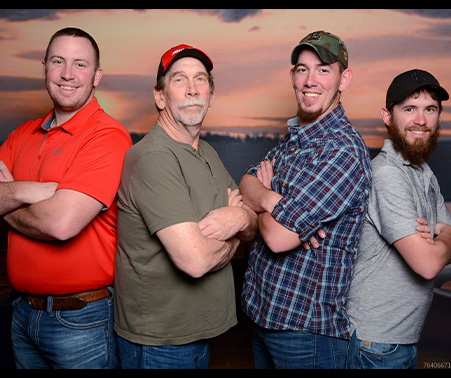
[{"x": 326, "y": 186}]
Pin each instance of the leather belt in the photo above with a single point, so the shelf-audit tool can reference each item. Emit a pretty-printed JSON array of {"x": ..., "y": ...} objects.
[{"x": 67, "y": 302}]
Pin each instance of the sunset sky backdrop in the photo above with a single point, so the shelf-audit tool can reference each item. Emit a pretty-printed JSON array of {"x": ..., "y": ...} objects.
[{"x": 250, "y": 49}]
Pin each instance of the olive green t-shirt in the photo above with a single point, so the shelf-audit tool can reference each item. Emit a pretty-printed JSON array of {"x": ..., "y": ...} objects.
[{"x": 165, "y": 182}]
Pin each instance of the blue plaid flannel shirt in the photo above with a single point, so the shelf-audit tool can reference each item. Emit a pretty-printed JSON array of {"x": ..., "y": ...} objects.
[{"x": 323, "y": 172}]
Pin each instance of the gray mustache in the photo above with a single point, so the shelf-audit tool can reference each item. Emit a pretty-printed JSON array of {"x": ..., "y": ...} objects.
[{"x": 191, "y": 102}]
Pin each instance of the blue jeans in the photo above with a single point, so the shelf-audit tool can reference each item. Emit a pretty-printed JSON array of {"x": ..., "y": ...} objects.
[
  {"x": 82, "y": 339},
  {"x": 297, "y": 350},
  {"x": 371, "y": 355},
  {"x": 195, "y": 355}
]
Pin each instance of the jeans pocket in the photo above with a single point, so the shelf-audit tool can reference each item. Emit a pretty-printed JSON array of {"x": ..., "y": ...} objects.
[
  {"x": 127, "y": 351},
  {"x": 95, "y": 314},
  {"x": 388, "y": 356},
  {"x": 377, "y": 350},
  {"x": 203, "y": 356},
  {"x": 17, "y": 301}
]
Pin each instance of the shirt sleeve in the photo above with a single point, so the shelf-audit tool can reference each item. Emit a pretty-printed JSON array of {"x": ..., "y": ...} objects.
[
  {"x": 392, "y": 209},
  {"x": 328, "y": 185},
  {"x": 96, "y": 170},
  {"x": 9, "y": 147},
  {"x": 158, "y": 191},
  {"x": 443, "y": 213}
]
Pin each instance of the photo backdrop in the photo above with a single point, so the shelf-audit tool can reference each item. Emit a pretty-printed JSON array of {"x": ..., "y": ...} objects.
[{"x": 250, "y": 49}]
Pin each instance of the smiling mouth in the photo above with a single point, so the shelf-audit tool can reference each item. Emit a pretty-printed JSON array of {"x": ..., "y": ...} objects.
[
  {"x": 420, "y": 132},
  {"x": 67, "y": 88},
  {"x": 311, "y": 95}
]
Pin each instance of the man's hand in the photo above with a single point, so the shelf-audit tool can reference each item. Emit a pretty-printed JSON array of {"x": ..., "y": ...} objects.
[
  {"x": 425, "y": 231},
  {"x": 313, "y": 240},
  {"x": 14, "y": 194},
  {"x": 41, "y": 191},
  {"x": 235, "y": 198},
  {"x": 5, "y": 174},
  {"x": 265, "y": 173},
  {"x": 222, "y": 224}
]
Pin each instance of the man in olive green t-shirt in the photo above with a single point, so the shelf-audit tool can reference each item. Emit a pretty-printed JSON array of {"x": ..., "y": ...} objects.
[{"x": 181, "y": 220}]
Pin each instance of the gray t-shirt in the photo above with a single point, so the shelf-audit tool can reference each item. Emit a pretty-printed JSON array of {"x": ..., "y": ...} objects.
[
  {"x": 388, "y": 302},
  {"x": 165, "y": 182}
]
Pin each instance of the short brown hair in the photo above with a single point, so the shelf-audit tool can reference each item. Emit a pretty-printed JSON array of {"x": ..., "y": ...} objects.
[{"x": 75, "y": 32}]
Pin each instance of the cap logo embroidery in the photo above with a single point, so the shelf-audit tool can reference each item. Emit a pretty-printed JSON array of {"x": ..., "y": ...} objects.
[
  {"x": 177, "y": 51},
  {"x": 418, "y": 76},
  {"x": 315, "y": 36}
]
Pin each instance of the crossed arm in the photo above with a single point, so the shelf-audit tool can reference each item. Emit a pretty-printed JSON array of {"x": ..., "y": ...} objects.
[
  {"x": 38, "y": 211},
  {"x": 426, "y": 255},
  {"x": 207, "y": 246},
  {"x": 257, "y": 193}
]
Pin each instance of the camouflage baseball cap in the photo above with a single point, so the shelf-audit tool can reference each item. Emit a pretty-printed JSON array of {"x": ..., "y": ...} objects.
[{"x": 328, "y": 46}]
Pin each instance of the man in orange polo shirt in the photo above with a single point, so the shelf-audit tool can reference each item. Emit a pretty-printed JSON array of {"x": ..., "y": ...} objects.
[{"x": 59, "y": 177}]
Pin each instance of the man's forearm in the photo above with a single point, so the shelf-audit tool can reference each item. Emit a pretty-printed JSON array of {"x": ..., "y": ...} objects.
[
  {"x": 250, "y": 228},
  {"x": 60, "y": 217},
  {"x": 230, "y": 221},
  {"x": 444, "y": 258},
  {"x": 257, "y": 196},
  {"x": 424, "y": 258},
  {"x": 24, "y": 220},
  {"x": 193, "y": 253},
  {"x": 15, "y": 194},
  {"x": 226, "y": 253}
]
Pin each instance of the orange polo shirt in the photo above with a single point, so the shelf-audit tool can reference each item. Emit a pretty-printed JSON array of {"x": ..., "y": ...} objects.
[{"x": 84, "y": 154}]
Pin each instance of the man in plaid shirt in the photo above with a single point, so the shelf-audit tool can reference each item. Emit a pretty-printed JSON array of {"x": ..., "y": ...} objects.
[{"x": 311, "y": 193}]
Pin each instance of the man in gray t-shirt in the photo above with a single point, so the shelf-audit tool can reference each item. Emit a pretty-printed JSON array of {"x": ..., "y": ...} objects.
[{"x": 392, "y": 287}]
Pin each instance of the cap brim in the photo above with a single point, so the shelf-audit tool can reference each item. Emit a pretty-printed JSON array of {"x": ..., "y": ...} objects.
[{"x": 443, "y": 93}]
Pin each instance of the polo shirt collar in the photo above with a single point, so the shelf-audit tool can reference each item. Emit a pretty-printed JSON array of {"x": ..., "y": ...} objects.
[
  {"x": 78, "y": 119},
  {"x": 390, "y": 149}
]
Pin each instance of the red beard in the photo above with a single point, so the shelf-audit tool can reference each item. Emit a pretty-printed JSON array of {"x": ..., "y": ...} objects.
[{"x": 418, "y": 152}]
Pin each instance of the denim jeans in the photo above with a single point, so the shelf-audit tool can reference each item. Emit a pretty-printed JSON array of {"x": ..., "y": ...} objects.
[
  {"x": 195, "y": 355},
  {"x": 371, "y": 355},
  {"x": 82, "y": 339},
  {"x": 297, "y": 350}
]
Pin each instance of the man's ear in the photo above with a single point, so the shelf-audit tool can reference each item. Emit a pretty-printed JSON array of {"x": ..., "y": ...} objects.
[
  {"x": 159, "y": 99},
  {"x": 97, "y": 77},
  {"x": 346, "y": 78},
  {"x": 386, "y": 116},
  {"x": 212, "y": 99}
]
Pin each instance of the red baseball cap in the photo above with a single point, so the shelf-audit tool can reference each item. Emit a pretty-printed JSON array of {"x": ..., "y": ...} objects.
[{"x": 182, "y": 51}]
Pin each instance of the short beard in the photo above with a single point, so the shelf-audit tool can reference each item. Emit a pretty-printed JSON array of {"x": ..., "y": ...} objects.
[
  {"x": 312, "y": 116},
  {"x": 417, "y": 153},
  {"x": 195, "y": 119},
  {"x": 308, "y": 117}
]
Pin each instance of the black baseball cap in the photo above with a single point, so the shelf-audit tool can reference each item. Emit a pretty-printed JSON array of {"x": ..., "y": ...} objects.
[{"x": 408, "y": 82}]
